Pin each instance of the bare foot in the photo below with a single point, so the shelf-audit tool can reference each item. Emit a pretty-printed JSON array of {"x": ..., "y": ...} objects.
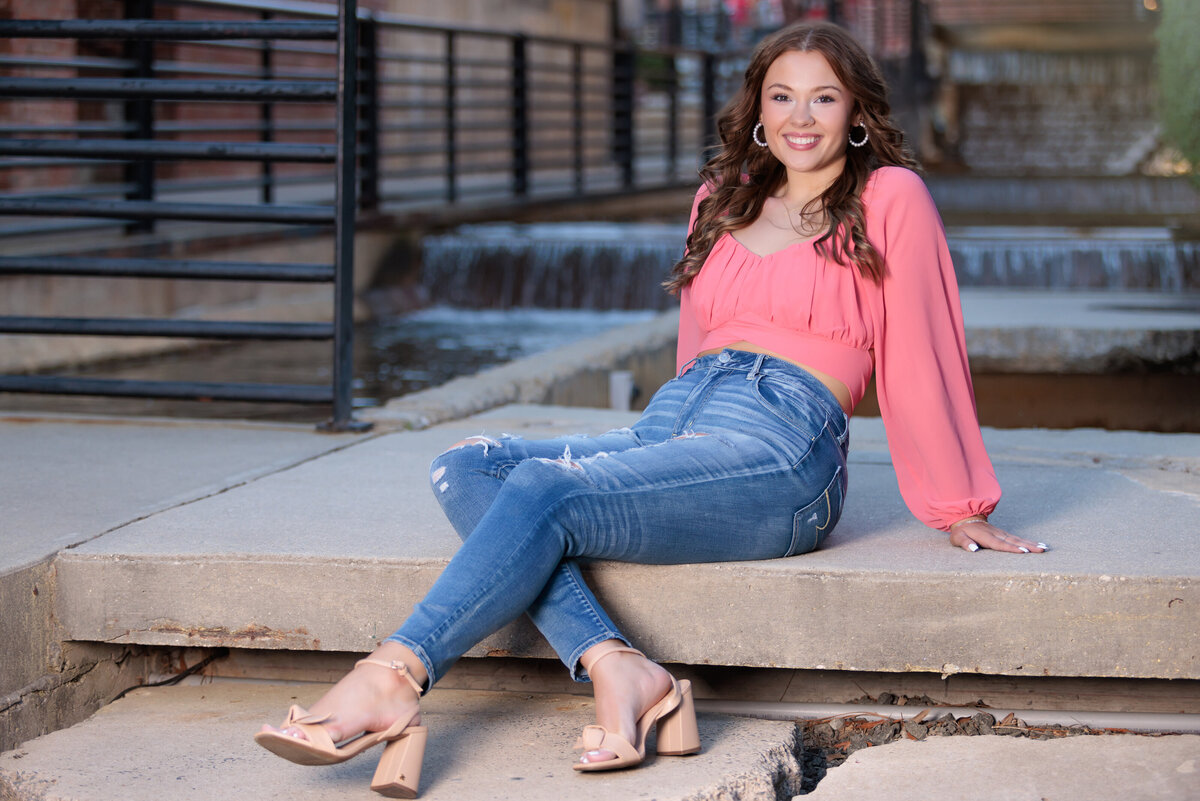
[
  {"x": 368, "y": 698},
  {"x": 625, "y": 686}
]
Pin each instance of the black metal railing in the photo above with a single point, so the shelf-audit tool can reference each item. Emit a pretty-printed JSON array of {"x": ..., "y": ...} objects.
[
  {"x": 427, "y": 115},
  {"x": 446, "y": 114},
  {"x": 139, "y": 150}
]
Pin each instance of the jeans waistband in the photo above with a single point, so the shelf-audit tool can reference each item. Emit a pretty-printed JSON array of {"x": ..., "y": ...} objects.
[{"x": 754, "y": 364}]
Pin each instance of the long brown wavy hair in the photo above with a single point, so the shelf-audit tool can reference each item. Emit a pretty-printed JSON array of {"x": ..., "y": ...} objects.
[{"x": 742, "y": 175}]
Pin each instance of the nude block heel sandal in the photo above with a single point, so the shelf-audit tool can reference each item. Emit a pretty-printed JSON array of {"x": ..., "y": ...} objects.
[
  {"x": 674, "y": 717},
  {"x": 399, "y": 770}
]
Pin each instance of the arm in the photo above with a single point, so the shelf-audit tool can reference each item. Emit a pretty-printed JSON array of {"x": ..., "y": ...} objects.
[
  {"x": 922, "y": 377},
  {"x": 690, "y": 332}
]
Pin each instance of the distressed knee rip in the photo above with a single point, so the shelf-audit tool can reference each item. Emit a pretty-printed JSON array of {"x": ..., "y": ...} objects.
[
  {"x": 487, "y": 443},
  {"x": 567, "y": 462},
  {"x": 690, "y": 435},
  {"x": 564, "y": 461}
]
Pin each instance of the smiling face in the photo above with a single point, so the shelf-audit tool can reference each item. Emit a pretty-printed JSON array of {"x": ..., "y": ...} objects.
[{"x": 806, "y": 117}]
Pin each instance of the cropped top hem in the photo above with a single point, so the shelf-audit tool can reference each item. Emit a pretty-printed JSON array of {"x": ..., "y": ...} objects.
[{"x": 848, "y": 364}]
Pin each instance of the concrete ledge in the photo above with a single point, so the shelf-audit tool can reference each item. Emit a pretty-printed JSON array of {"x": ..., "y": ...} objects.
[
  {"x": 571, "y": 375},
  {"x": 195, "y": 743},
  {"x": 1117, "y": 595},
  {"x": 1044, "y": 331},
  {"x": 1009, "y": 769}
]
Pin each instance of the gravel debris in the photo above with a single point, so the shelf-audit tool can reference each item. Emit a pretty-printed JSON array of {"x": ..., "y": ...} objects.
[{"x": 828, "y": 741}]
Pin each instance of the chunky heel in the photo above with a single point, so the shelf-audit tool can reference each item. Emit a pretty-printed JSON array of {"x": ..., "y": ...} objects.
[
  {"x": 399, "y": 770},
  {"x": 678, "y": 734}
]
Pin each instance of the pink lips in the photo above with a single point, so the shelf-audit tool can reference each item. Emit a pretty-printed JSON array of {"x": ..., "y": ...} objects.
[{"x": 807, "y": 145}]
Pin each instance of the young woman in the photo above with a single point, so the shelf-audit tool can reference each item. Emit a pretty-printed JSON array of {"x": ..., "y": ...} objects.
[{"x": 815, "y": 257}]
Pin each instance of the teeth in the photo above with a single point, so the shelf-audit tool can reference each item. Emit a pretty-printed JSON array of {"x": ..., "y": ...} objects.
[{"x": 801, "y": 140}]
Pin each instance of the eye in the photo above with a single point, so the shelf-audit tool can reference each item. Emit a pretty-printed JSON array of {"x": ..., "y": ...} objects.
[
  {"x": 780, "y": 97},
  {"x": 826, "y": 99}
]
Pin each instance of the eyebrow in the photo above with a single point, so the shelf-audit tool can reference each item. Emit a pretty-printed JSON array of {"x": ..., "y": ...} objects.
[{"x": 815, "y": 88}]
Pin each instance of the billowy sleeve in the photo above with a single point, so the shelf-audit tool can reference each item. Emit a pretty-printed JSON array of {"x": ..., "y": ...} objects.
[
  {"x": 922, "y": 377},
  {"x": 691, "y": 334}
]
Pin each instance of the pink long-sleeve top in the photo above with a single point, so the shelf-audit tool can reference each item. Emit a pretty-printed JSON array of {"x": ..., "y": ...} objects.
[{"x": 908, "y": 329}]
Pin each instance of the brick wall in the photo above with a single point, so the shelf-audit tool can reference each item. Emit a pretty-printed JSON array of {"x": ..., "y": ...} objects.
[
  {"x": 23, "y": 111},
  {"x": 585, "y": 19},
  {"x": 1024, "y": 12}
]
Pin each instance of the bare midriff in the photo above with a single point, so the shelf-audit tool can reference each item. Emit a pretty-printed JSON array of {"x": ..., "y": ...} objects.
[{"x": 839, "y": 390}]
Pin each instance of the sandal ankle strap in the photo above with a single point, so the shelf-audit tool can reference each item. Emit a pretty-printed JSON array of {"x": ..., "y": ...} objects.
[
  {"x": 396, "y": 665},
  {"x": 607, "y": 650}
]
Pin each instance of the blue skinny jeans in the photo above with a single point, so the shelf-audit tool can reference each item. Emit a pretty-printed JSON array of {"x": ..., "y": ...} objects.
[{"x": 741, "y": 457}]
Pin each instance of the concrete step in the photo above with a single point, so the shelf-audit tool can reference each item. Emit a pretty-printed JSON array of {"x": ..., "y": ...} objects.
[
  {"x": 1101, "y": 768},
  {"x": 196, "y": 743},
  {"x": 249, "y": 567}
]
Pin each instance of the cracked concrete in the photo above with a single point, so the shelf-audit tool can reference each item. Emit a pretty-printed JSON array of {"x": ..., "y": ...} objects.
[{"x": 196, "y": 743}]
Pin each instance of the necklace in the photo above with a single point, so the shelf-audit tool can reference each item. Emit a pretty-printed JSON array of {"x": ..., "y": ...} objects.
[{"x": 807, "y": 227}]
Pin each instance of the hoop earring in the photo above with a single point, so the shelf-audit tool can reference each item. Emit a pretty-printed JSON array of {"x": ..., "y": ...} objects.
[
  {"x": 754, "y": 136},
  {"x": 866, "y": 135}
]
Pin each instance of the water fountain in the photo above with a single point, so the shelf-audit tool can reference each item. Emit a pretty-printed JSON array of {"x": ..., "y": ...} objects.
[{"x": 622, "y": 265}]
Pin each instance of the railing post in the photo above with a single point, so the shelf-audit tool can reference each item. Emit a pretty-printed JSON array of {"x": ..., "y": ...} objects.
[
  {"x": 520, "y": 116},
  {"x": 623, "y": 77},
  {"x": 709, "y": 122},
  {"x": 577, "y": 114},
  {"x": 344, "y": 218},
  {"x": 368, "y": 114},
  {"x": 266, "y": 114},
  {"x": 140, "y": 112},
  {"x": 672, "y": 116},
  {"x": 450, "y": 114}
]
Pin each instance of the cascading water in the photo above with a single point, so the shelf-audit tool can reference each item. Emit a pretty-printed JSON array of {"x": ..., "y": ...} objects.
[
  {"x": 552, "y": 265},
  {"x": 622, "y": 265},
  {"x": 1063, "y": 258}
]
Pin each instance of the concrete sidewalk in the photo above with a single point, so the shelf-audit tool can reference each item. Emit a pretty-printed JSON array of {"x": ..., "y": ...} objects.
[
  {"x": 192, "y": 743},
  {"x": 205, "y": 534}
]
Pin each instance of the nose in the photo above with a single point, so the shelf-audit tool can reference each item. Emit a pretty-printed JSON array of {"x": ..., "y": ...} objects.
[{"x": 802, "y": 114}]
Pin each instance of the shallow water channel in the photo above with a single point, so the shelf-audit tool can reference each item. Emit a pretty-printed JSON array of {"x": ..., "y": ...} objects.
[
  {"x": 393, "y": 356},
  {"x": 404, "y": 354},
  {"x": 503, "y": 291}
]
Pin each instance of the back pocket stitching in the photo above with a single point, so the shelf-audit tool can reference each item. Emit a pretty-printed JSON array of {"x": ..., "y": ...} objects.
[{"x": 818, "y": 530}]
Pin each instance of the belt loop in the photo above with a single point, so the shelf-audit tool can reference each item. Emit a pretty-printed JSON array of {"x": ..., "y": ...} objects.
[
  {"x": 756, "y": 368},
  {"x": 686, "y": 366}
]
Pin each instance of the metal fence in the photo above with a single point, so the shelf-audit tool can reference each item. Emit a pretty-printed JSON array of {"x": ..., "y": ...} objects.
[
  {"x": 139, "y": 91},
  {"x": 256, "y": 114}
]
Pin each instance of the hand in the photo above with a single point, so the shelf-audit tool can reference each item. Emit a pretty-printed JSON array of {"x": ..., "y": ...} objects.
[{"x": 975, "y": 534}]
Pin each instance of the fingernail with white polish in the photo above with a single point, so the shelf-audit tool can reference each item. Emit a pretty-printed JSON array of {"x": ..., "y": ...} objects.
[
  {"x": 1043, "y": 546},
  {"x": 1024, "y": 549},
  {"x": 973, "y": 546}
]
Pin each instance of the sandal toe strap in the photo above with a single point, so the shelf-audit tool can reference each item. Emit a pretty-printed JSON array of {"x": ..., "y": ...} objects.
[
  {"x": 310, "y": 726},
  {"x": 298, "y": 715},
  {"x": 598, "y": 738}
]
